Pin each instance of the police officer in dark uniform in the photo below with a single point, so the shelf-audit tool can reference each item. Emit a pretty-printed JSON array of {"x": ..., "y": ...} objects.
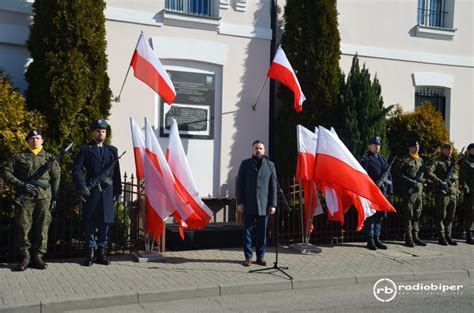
[
  {"x": 375, "y": 165},
  {"x": 33, "y": 216},
  {"x": 98, "y": 211}
]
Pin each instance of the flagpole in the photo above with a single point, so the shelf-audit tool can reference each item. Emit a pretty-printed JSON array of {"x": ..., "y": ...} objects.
[
  {"x": 117, "y": 99},
  {"x": 254, "y": 107}
]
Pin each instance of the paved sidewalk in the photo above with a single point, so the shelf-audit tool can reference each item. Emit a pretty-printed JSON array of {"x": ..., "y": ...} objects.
[{"x": 66, "y": 285}]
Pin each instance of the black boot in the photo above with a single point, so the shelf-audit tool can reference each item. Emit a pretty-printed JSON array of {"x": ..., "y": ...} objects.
[
  {"x": 450, "y": 240},
  {"x": 418, "y": 241},
  {"x": 379, "y": 244},
  {"x": 89, "y": 258},
  {"x": 442, "y": 240},
  {"x": 101, "y": 259},
  {"x": 371, "y": 243},
  {"x": 23, "y": 264},
  {"x": 38, "y": 263},
  {"x": 469, "y": 239},
  {"x": 409, "y": 241}
]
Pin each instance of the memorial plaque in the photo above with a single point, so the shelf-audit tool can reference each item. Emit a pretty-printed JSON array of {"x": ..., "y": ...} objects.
[{"x": 193, "y": 108}]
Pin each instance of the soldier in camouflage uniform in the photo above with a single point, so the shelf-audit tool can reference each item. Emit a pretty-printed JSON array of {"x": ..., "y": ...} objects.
[
  {"x": 34, "y": 214},
  {"x": 411, "y": 180},
  {"x": 446, "y": 194},
  {"x": 466, "y": 181}
]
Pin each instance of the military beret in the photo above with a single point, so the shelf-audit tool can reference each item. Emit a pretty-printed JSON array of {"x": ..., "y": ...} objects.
[
  {"x": 102, "y": 124},
  {"x": 413, "y": 143},
  {"x": 471, "y": 145},
  {"x": 446, "y": 146},
  {"x": 375, "y": 140},
  {"x": 34, "y": 132}
]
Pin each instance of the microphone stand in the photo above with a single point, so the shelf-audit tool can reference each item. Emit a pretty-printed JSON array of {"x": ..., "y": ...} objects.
[{"x": 277, "y": 233}]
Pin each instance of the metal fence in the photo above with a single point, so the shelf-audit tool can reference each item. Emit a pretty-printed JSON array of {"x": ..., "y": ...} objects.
[
  {"x": 127, "y": 234},
  {"x": 330, "y": 232}
]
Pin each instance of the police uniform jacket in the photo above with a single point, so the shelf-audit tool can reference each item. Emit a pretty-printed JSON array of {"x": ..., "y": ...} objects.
[
  {"x": 87, "y": 165},
  {"x": 376, "y": 165}
]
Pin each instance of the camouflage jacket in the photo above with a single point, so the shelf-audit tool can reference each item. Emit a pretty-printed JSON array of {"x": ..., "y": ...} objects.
[
  {"x": 407, "y": 171},
  {"x": 438, "y": 174},
  {"x": 466, "y": 174},
  {"x": 25, "y": 164}
]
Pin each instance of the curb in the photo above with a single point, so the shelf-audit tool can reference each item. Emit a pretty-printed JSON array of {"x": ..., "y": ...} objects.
[{"x": 221, "y": 290}]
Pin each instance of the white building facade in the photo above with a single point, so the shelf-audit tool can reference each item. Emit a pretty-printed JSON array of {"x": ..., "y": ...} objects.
[{"x": 218, "y": 53}]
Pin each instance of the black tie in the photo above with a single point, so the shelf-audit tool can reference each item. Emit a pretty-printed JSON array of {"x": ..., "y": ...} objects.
[{"x": 101, "y": 151}]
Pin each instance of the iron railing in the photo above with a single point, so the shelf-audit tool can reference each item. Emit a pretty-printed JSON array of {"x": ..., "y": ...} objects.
[
  {"x": 432, "y": 13},
  {"x": 127, "y": 234},
  {"x": 200, "y": 8}
]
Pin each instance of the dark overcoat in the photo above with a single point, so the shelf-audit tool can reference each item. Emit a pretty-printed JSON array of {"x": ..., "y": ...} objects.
[
  {"x": 257, "y": 189},
  {"x": 86, "y": 166}
]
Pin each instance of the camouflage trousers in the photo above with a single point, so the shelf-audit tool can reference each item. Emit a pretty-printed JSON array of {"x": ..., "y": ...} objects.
[
  {"x": 413, "y": 205},
  {"x": 34, "y": 216},
  {"x": 445, "y": 210},
  {"x": 468, "y": 211}
]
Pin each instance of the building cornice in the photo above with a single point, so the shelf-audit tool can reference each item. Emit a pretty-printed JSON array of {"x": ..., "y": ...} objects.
[{"x": 407, "y": 55}]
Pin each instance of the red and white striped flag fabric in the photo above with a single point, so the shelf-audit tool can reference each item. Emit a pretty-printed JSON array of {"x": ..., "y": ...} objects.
[
  {"x": 158, "y": 202},
  {"x": 182, "y": 173},
  {"x": 307, "y": 141},
  {"x": 336, "y": 167},
  {"x": 163, "y": 182},
  {"x": 282, "y": 71},
  {"x": 138, "y": 142},
  {"x": 148, "y": 68}
]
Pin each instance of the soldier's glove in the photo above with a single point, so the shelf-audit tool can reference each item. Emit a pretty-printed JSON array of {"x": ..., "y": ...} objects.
[
  {"x": 85, "y": 193},
  {"x": 29, "y": 188}
]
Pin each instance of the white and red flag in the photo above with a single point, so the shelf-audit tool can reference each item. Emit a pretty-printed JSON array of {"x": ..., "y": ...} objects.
[
  {"x": 336, "y": 167},
  {"x": 307, "y": 141},
  {"x": 282, "y": 71},
  {"x": 148, "y": 68},
  {"x": 138, "y": 142},
  {"x": 162, "y": 192},
  {"x": 185, "y": 183}
]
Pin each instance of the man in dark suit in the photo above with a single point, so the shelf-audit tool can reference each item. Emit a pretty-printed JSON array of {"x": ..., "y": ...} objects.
[
  {"x": 375, "y": 165},
  {"x": 256, "y": 199},
  {"x": 98, "y": 210}
]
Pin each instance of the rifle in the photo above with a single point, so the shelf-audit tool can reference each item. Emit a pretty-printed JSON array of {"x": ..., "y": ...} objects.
[
  {"x": 448, "y": 181},
  {"x": 384, "y": 178},
  {"x": 36, "y": 180},
  {"x": 419, "y": 175},
  {"x": 102, "y": 177}
]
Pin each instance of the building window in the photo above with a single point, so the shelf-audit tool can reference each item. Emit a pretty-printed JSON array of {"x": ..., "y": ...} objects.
[
  {"x": 435, "y": 96},
  {"x": 434, "y": 13},
  {"x": 202, "y": 8}
]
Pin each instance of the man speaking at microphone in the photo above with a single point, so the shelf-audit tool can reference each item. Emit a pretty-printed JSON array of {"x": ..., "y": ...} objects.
[{"x": 256, "y": 199}]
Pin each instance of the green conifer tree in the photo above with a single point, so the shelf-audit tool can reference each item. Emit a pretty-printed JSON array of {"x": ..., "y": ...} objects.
[
  {"x": 67, "y": 79},
  {"x": 360, "y": 110},
  {"x": 311, "y": 43}
]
